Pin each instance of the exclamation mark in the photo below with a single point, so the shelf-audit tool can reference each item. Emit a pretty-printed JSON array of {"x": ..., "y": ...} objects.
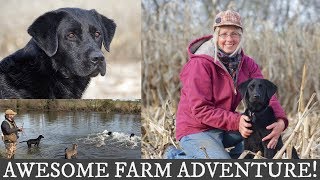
[{"x": 315, "y": 168}]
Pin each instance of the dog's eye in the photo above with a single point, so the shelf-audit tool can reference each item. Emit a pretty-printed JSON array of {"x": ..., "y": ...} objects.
[
  {"x": 71, "y": 35},
  {"x": 97, "y": 34}
]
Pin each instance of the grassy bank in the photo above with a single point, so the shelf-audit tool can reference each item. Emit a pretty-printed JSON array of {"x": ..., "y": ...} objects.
[{"x": 118, "y": 106}]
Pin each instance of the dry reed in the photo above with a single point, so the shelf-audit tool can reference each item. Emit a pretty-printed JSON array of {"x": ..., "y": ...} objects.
[{"x": 158, "y": 128}]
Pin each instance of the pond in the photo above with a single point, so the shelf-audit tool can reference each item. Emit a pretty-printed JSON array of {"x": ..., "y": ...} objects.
[{"x": 89, "y": 130}]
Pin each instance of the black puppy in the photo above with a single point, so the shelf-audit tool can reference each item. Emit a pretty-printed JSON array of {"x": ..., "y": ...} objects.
[
  {"x": 61, "y": 57},
  {"x": 36, "y": 142},
  {"x": 257, "y": 94}
]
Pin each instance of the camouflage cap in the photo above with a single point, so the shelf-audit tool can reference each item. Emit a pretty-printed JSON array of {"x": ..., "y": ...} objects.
[{"x": 227, "y": 18}]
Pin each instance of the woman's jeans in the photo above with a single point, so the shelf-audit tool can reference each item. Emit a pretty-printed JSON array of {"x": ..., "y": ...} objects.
[{"x": 209, "y": 144}]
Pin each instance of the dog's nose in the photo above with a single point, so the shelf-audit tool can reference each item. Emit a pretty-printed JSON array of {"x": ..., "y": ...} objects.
[
  {"x": 96, "y": 57},
  {"x": 256, "y": 96}
]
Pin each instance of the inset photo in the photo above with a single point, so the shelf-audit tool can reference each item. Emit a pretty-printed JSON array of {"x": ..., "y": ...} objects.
[
  {"x": 70, "y": 129},
  {"x": 70, "y": 49}
]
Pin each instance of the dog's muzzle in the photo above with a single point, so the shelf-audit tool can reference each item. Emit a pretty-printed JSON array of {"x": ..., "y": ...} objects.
[
  {"x": 256, "y": 99},
  {"x": 97, "y": 60}
]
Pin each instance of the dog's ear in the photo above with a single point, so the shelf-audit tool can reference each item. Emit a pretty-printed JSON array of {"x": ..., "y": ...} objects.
[
  {"x": 271, "y": 88},
  {"x": 108, "y": 28},
  {"x": 44, "y": 31},
  {"x": 243, "y": 87}
]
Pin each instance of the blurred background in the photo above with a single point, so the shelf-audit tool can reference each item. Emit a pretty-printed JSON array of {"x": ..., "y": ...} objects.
[
  {"x": 123, "y": 78},
  {"x": 282, "y": 36}
]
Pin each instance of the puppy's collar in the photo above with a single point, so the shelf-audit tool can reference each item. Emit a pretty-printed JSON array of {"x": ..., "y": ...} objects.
[{"x": 252, "y": 114}]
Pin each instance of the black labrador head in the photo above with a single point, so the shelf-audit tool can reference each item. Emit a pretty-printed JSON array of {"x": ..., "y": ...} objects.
[
  {"x": 73, "y": 39},
  {"x": 40, "y": 136},
  {"x": 257, "y": 93}
]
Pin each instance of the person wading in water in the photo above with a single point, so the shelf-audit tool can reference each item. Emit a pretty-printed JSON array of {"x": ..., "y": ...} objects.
[{"x": 10, "y": 133}]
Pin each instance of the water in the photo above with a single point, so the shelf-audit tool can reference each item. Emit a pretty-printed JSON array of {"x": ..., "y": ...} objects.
[{"x": 87, "y": 129}]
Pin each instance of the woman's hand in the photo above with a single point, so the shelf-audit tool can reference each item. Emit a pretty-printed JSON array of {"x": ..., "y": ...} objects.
[
  {"x": 277, "y": 129},
  {"x": 243, "y": 126}
]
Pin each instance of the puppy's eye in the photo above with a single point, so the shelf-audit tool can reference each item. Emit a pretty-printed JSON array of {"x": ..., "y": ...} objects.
[
  {"x": 71, "y": 35},
  {"x": 97, "y": 34}
]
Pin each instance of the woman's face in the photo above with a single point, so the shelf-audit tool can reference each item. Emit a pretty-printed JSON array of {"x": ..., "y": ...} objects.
[{"x": 228, "y": 39}]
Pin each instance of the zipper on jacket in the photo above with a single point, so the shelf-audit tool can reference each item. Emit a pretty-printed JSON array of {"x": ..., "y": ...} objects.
[{"x": 233, "y": 83}]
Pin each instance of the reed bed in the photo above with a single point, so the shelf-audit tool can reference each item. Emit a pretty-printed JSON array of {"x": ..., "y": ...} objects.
[{"x": 303, "y": 132}]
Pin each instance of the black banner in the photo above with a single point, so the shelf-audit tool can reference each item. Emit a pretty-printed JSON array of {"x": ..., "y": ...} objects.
[{"x": 158, "y": 169}]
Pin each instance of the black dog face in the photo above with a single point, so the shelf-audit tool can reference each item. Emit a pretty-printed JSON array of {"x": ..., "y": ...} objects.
[
  {"x": 40, "y": 137},
  {"x": 73, "y": 39},
  {"x": 257, "y": 93}
]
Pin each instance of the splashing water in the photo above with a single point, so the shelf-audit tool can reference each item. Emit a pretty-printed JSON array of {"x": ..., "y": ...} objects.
[{"x": 118, "y": 139}]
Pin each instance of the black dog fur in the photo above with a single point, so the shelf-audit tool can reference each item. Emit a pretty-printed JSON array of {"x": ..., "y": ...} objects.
[
  {"x": 257, "y": 94},
  {"x": 61, "y": 57},
  {"x": 36, "y": 142}
]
